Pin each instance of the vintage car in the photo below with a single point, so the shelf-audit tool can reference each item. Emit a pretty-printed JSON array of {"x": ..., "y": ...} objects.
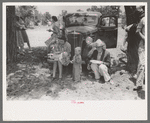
[{"x": 80, "y": 25}]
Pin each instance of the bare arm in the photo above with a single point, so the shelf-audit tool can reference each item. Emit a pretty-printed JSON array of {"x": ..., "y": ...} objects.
[
  {"x": 139, "y": 29},
  {"x": 141, "y": 35}
]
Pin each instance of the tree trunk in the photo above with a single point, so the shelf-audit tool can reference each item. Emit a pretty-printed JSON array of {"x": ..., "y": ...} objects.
[
  {"x": 11, "y": 43},
  {"x": 132, "y": 49}
]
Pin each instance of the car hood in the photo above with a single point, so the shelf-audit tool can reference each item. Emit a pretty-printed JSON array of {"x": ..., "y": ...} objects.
[{"x": 82, "y": 29}]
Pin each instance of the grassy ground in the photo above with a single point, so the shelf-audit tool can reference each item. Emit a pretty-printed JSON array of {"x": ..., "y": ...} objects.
[{"x": 29, "y": 78}]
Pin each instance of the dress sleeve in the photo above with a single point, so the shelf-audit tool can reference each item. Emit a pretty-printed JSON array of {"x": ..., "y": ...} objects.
[
  {"x": 91, "y": 52},
  {"x": 56, "y": 30}
]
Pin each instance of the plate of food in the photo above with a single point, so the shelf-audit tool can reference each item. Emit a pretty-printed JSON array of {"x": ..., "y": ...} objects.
[{"x": 96, "y": 62}]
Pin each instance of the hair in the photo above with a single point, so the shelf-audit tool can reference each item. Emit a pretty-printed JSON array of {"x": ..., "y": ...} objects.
[
  {"x": 139, "y": 14},
  {"x": 54, "y": 18},
  {"x": 143, "y": 7},
  {"x": 62, "y": 38}
]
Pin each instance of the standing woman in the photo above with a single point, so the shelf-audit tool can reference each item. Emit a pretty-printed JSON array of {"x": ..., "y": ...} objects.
[
  {"x": 56, "y": 33},
  {"x": 19, "y": 38},
  {"x": 140, "y": 76},
  {"x": 24, "y": 34}
]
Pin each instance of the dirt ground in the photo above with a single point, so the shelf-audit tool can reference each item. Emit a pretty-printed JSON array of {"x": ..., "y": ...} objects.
[{"x": 29, "y": 78}]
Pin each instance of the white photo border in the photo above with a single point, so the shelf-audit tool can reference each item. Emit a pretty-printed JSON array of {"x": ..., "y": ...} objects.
[{"x": 65, "y": 110}]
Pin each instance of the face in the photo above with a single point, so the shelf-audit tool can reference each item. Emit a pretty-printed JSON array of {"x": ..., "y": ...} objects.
[
  {"x": 77, "y": 52},
  {"x": 61, "y": 42}
]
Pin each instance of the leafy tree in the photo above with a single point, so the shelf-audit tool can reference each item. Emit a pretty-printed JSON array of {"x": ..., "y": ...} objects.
[
  {"x": 106, "y": 10},
  {"x": 46, "y": 17},
  {"x": 132, "y": 49},
  {"x": 11, "y": 34},
  {"x": 26, "y": 12}
]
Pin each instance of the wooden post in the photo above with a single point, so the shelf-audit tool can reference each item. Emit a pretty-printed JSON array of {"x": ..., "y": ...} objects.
[
  {"x": 132, "y": 49},
  {"x": 11, "y": 44}
]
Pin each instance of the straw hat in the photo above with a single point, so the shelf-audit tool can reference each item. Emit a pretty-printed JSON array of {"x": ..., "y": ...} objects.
[{"x": 99, "y": 43}]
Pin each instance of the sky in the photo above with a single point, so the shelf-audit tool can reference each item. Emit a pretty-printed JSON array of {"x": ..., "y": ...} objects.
[{"x": 56, "y": 10}]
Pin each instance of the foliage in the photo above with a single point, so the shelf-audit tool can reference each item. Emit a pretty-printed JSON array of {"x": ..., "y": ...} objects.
[
  {"x": 106, "y": 10},
  {"x": 30, "y": 13},
  {"x": 25, "y": 11}
]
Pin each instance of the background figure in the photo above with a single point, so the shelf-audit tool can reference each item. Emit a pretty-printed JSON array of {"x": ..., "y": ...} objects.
[
  {"x": 19, "y": 38},
  {"x": 141, "y": 50},
  {"x": 55, "y": 35},
  {"x": 77, "y": 65},
  {"x": 24, "y": 34}
]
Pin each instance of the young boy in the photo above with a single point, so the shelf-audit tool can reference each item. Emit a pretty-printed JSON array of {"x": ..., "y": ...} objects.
[{"x": 77, "y": 67}]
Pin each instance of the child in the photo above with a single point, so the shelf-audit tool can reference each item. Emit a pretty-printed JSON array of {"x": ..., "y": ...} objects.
[{"x": 77, "y": 68}]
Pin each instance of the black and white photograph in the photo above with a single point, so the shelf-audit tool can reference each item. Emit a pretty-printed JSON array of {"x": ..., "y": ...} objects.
[{"x": 75, "y": 52}]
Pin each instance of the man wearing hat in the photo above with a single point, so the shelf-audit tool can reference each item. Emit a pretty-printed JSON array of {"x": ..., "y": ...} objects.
[{"x": 100, "y": 61}]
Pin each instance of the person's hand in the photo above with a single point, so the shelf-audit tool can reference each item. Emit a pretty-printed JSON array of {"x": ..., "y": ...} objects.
[{"x": 71, "y": 62}]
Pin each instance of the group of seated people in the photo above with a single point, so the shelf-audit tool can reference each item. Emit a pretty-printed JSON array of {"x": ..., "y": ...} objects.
[
  {"x": 59, "y": 52},
  {"x": 97, "y": 60}
]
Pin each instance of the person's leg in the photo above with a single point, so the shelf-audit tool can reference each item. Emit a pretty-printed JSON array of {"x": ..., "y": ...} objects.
[
  {"x": 141, "y": 76},
  {"x": 28, "y": 43},
  {"x": 22, "y": 51},
  {"x": 103, "y": 70},
  {"x": 60, "y": 69},
  {"x": 54, "y": 69},
  {"x": 140, "y": 70},
  {"x": 94, "y": 67}
]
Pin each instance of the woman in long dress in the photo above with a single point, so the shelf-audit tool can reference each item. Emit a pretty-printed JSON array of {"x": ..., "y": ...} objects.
[
  {"x": 24, "y": 34},
  {"x": 19, "y": 38}
]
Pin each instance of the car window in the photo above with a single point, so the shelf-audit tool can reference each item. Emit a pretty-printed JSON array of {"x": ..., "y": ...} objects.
[
  {"x": 81, "y": 19},
  {"x": 108, "y": 22}
]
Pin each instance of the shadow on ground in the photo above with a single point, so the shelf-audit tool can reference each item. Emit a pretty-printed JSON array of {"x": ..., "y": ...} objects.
[{"x": 30, "y": 77}]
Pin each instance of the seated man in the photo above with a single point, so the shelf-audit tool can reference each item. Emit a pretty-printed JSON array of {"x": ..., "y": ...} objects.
[{"x": 99, "y": 62}]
